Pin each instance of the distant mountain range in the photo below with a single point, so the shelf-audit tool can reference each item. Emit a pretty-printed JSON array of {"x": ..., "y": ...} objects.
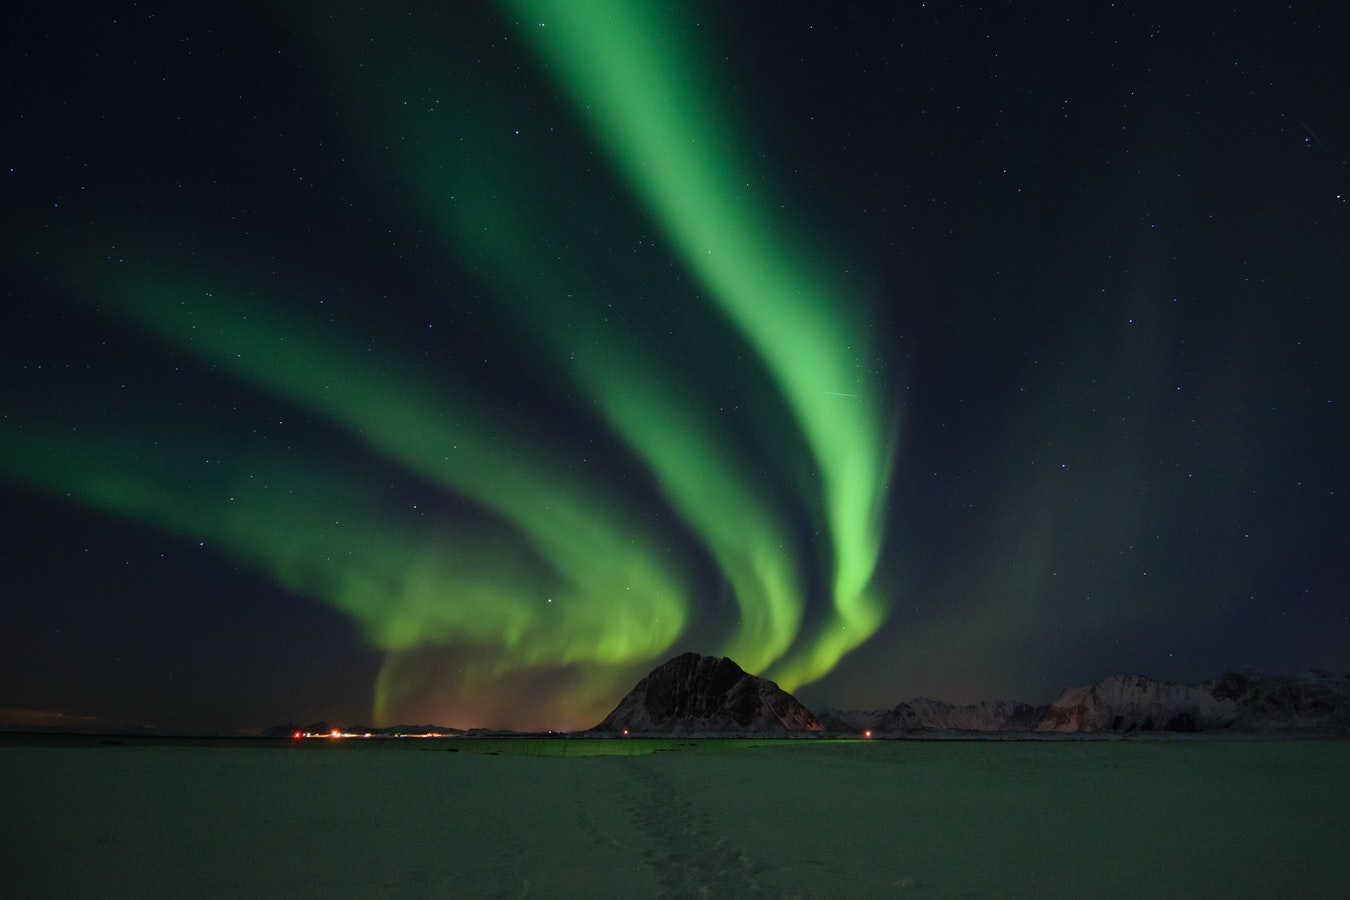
[
  {"x": 1249, "y": 702},
  {"x": 1238, "y": 701},
  {"x": 934, "y": 715},
  {"x": 693, "y": 694}
]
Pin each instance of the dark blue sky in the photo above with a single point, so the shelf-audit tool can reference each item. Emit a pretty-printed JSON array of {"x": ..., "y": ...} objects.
[{"x": 1098, "y": 259}]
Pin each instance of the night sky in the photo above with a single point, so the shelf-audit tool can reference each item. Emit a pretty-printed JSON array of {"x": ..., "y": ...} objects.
[{"x": 462, "y": 362}]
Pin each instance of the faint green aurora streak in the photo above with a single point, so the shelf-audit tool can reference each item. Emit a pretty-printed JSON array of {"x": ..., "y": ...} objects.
[
  {"x": 316, "y": 531},
  {"x": 618, "y": 599},
  {"x": 662, "y": 127}
]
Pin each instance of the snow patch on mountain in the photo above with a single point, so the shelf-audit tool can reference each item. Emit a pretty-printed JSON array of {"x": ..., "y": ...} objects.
[{"x": 1241, "y": 701}]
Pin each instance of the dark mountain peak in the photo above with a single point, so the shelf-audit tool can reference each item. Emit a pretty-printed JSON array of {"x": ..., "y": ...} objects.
[{"x": 695, "y": 693}]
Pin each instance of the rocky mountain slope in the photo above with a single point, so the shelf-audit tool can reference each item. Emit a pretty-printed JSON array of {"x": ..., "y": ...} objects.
[{"x": 707, "y": 694}]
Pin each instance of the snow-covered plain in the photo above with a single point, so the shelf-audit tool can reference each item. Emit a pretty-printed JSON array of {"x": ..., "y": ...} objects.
[{"x": 1031, "y": 819}]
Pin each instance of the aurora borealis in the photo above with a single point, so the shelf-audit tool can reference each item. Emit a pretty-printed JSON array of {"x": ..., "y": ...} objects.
[{"x": 460, "y": 365}]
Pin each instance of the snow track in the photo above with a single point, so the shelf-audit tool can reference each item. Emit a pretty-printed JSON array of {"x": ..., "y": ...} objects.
[{"x": 680, "y": 845}]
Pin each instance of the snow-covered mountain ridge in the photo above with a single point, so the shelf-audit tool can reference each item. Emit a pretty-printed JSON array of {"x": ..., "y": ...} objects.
[
  {"x": 1240, "y": 701},
  {"x": 1310, "y": 702}
]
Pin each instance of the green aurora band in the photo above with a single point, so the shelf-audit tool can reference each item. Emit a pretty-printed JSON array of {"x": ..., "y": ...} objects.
[
  {"x": 561, "y": 568},
  {"x": 586, "y": 584},
  {"x": 663, "y": 129},
  {"x": 491, "y": 200}
]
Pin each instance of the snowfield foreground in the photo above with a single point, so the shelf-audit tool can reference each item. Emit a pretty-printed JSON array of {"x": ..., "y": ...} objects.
[{"x": 1030, "y": 819}]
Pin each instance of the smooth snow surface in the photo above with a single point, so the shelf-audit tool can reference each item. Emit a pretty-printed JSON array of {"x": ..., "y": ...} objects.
[{"x": 1071, "y": 819}]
